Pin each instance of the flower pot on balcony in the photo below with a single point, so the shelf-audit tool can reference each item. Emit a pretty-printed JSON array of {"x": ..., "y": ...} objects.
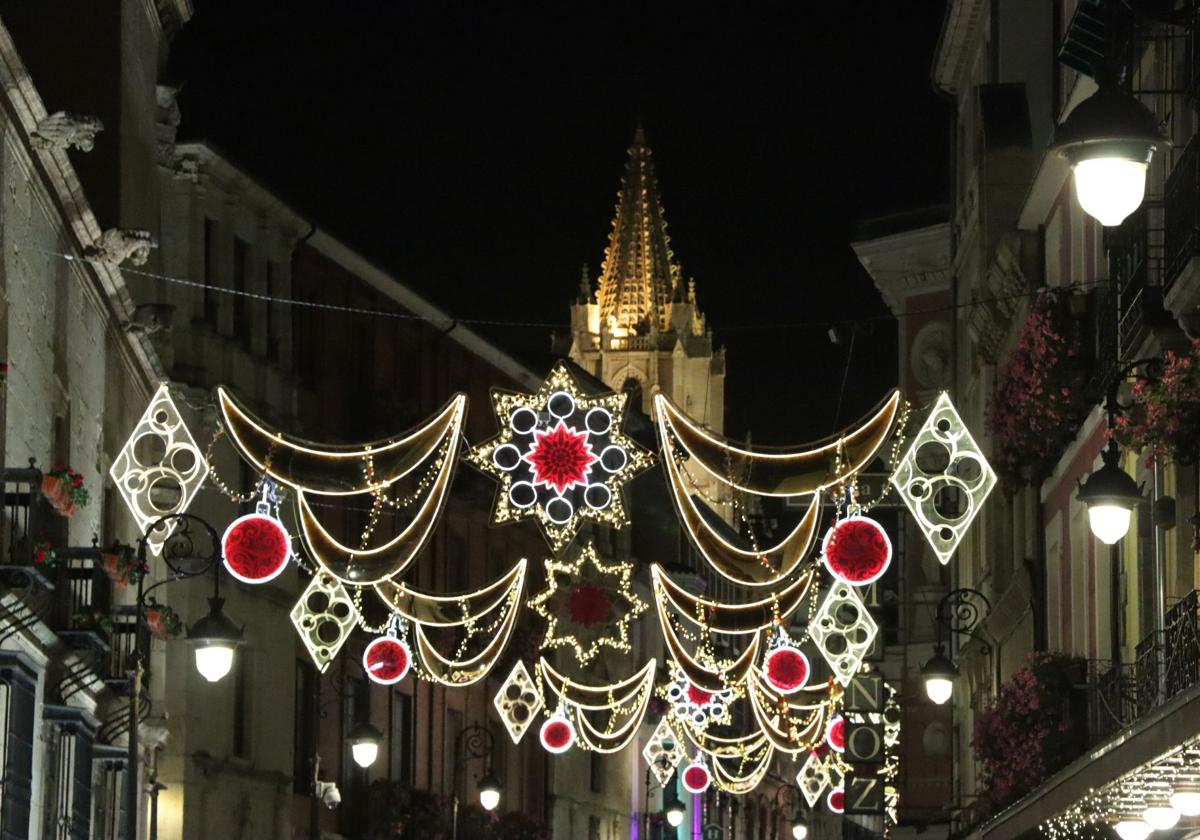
[
  {"x": 58, "y": 493},
  {"x": 162, "y": 622}
]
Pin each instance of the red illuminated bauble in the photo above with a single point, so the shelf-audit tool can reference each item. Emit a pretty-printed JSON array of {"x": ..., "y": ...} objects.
[
  {"x": 786, "y": 669},
  {"x": 695, "y": 777},
  {"x": 835, "y": 736},
  {"x": 836, "y": 800},
  {"x": 698, "y": 695},
  {"x": 256, "y": 548},
  {"x": 386, "y": 660},
  {"x": 857, "y": 550},
  {"x": 557, "y": 734}
]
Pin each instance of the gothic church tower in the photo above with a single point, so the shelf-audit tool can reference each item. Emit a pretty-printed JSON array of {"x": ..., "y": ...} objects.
[{"x": 641, "y": 327}]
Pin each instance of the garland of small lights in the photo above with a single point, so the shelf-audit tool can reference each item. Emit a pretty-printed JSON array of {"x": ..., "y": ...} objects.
[
  {"x": 596, "y": 603},
  {"x": 629, "y": 699}
]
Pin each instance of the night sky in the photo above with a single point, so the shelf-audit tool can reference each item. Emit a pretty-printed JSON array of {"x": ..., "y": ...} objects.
[{"x": 476, "y": 151}]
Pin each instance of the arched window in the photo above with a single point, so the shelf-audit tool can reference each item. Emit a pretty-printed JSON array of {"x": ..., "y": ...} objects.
[{"x": 633, "y": 387}]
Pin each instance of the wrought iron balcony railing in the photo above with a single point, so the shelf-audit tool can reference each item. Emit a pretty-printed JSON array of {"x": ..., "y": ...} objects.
[{"x": 1181, "y": 208}]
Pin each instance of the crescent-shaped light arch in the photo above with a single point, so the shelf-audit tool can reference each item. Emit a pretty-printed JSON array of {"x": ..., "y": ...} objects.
[
  {"x": 456, "y": 672},
  {"x": 451, "y": 610},
  {"x": 734, "y": 619}
]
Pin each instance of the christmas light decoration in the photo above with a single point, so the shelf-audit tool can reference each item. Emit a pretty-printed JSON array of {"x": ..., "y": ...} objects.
[
  {"x": 694, "y": 705},
  {"x": 324, "y": 617},
  {"x": 843, "y": 631},
  {"x": 783, "y": 473},
  {"x": 454, "y": 610},
  {"x": 153, "y": 487},
  {"x": 963, "y": 471},
  {"x": 813, "y": 778},
  {"x": 785, "y": 667},
  {"x": 387, "y": 659},
  {"x": 518, "y": 702},
  {"x": 557, "y": 733},
  {"x": 791, "y": 723},
  {"x": 738, "y": 619},
  {"x": 836, "y": 800},
  {"x": 256, "y": 547},
  {"x": 835, "y": 735},
  {"x": 663, "y": 752},
  {"x": 588, "y": 605},
  {"x": 857, "y": 550},
  {"x": 560, "y": 457},
  {"x": 460, "y": 669},
  {"x": 624, "y": 704},
  {"x": 695, "y": 778}
]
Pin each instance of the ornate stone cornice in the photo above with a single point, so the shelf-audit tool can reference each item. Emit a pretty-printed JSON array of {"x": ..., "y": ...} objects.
[{"x": 960, "y": 30}]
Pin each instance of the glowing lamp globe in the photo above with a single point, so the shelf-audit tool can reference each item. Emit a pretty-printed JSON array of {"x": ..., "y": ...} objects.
[
  {"x": 214, "y": 639},
  {"x": 1133, "y": 829},
  {"x": 799, "y": 830},
  {"x": 256, "y": 547},
  {"x": 1109, "y": 139},
  {"x": 364, "y": 740},
  {"x": 836, "y": 800},
  {"x": 835, "y": 736},
  {"x": 1160, "y": 817},
  {"x": 857, "y": 551},
  {"x": 695, "y": 777},
  {"x": 386, "y": 660},
  {"x": 1110, "y": 495},
  {"x": 489, "y": 792},
  {"x": 939, "y": 673},
  {"x": 674, "y": 811},
  {"x": 786, "y": 669},
  {"x": 557, "y": 734},
  {"x": 1186, "y": 802}
]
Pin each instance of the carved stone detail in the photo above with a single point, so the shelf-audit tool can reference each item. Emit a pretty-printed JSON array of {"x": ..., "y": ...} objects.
[
  {"x": 64, "y": 130},
  {"x": 117, "y": 245}
]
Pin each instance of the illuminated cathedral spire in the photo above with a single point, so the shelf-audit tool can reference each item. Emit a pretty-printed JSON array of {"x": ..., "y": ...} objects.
[{"x": 639, "y": 278}]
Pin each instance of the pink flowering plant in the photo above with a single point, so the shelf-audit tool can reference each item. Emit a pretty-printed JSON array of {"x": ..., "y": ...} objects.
[
  {"x": 1030, "y": 732},
  {"x": 1038, "y": 402},
  {"x": 1163, "y": 419}
]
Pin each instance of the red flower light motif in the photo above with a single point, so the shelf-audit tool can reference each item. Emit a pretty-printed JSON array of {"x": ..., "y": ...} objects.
[
  {"x": 698, "y": 695},
  {"x": 560, "y": 458},
  {"x": 588, "y": 605}
]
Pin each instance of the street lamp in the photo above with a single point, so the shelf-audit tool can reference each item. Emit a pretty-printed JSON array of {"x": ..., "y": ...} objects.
[
  {"x": 786, "y": 795},
  {"x": 489, "y": 792},
  {"x": 1109, "y": 139},
  {"x": 939, "y": 673},
  {"x": 364, "y": 740},
  {"x": 214, "y": 638},
  {"x": 799, "y": 828},
  {"x": 959, "y": 611},
  {"x": 673, "y": 809},
  {"x": 1110, "y": 494},
  {"x": 1133, "y": 829}
]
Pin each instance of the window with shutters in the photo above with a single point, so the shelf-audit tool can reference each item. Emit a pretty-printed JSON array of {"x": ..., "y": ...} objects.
[
  {"x": 18, "y": 698},
  {"x": 69, "y": 752}
]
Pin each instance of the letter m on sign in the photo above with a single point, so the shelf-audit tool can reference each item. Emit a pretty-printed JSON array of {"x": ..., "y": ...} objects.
[{"x": 864, "y": 694}]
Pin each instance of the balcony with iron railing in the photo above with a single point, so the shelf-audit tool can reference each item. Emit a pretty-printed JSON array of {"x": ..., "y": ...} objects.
[{"x": 1135, "y": 257}]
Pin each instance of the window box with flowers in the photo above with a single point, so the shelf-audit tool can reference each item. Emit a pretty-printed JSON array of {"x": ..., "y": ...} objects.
[
  {"x": 44, "y": 555},
  {"x": 162, "y": 621},
  {"x": 1163, "y": 419},
  {"x": 121, "y": 565},
  {"x": 1036, "y": 726},
  {"x": 1038, "y": 404},
  {"x": 63, "y": 488}
]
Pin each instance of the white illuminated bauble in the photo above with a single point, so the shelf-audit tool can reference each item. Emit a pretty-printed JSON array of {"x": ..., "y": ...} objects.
[
  {"x": 214, "y": 661},
  {"x": 489, "y": 799},
  {"x": 1160, "y": 817},
  {"x": 1109, "y": 523},
  {"x": 1186, "y": 802},
  {"x": 1111, "y": 188},
  {"x": 939, "y": 689},
  {"x": 1132, "y": 830},
  {"x": 365, "y": 753}
]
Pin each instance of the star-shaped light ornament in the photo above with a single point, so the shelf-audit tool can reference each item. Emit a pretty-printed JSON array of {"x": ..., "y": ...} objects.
[
  {"x": 587, "y": 604},
  {"x": 694, "y": 706},
  {"x": 560, "y": 457}
]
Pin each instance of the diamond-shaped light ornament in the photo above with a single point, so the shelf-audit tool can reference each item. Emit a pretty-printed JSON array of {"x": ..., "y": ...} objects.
[
  {"x": 159, "y": 469},
  {"x": 943, "y": 456},
  {"x": 663, "y": 752},
  {"x": 324, "y": 617},
  {"x": 843, "y": 616},
  {"x": 518, "y": 702},
  {"x": 812, "y": 779}
]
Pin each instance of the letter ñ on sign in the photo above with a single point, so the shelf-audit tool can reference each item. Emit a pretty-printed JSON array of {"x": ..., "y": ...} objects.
[{"x": 864, "y": 694}]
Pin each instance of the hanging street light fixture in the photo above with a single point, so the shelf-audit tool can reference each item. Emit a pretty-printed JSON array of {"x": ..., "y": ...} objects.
[
  {"x": 364, "y": 740},
  {"x": 215, "y": 638},
  {"x": 1110, "y": 494},
  {"x": 674, "y": 811},
  {"x": 939, "y": 674},
  {"x": 1109, "y": 139}
]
